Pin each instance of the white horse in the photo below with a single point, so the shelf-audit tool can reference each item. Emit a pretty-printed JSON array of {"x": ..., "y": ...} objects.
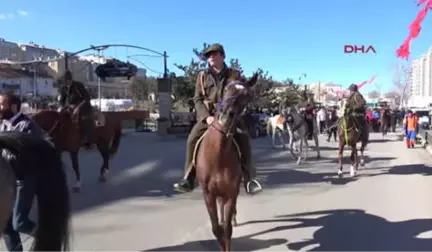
[
  {"x": 277, "y": 124},
  {"x": 298, "y": 132}
]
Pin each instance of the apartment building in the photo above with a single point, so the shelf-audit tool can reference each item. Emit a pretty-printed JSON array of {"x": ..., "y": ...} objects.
[
  {"x": 82, "y": 67},
  {"x": 10, "y": 51},
  {"x": 421, "y": 81},
  {"x": 34, "y": 51},
  {"x": 25, "y": 83},
  {"x": 324, "y": 91}
]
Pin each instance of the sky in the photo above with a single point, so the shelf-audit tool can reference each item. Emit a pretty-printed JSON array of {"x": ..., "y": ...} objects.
[{"x": 288, "y": 38}]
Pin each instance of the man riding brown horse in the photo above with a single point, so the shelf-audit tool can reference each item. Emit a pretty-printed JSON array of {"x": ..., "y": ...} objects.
[
  {"x": 355, "y": 107},
  {"x": 208, "y": 91},
  {"x": 75, "y": 100}
]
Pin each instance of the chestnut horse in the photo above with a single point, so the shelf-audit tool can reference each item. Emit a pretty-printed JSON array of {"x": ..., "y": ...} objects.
[
  {"x": 218, "y": 160},
  {"x": 41, "y": 162},
  {"x": 350, "y": 134},
  {"x": 66, "y": 135}
]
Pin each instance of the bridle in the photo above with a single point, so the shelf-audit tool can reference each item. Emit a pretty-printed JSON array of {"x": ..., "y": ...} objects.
[{"x": 230, "y": 132}]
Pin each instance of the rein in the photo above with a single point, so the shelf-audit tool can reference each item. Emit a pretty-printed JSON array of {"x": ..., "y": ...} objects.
[{"x": 226, "y": 134}]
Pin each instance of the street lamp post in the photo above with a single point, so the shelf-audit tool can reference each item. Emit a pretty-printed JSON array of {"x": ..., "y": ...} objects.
[{"x": 99, "y": 83}]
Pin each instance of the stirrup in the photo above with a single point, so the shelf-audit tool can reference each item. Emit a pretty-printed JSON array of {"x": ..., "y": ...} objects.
[{"x": 248, "y": 184}]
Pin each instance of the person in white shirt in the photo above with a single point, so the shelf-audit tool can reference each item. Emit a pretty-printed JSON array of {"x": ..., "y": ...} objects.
[{"x": 322, "y": 119}]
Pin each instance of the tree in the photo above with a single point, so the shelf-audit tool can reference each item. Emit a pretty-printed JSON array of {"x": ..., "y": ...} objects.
[
  {"x": 141, "y": 87},
  {"x": 374, "y": 94},
  {"x": 401, "y": 81},
  {"x": 391, "y": 95}
]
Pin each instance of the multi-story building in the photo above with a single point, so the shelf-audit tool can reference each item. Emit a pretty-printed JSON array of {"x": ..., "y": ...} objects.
[
  {"x": 26, "y": 83},
  {"x": 421, "y": 80},
  {"x": 33, "y": 51},
  {"x": 324, "y": 91},
  {"x": 82, "y": 67},
  {"x": 10, "y": 51}
]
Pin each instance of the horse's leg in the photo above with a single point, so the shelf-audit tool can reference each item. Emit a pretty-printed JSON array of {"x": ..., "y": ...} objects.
[
  {"x": 75, "y": 166},
  {"x": 317, "y": 148},
  {"x": 280, "y": 133},
  {"x": 234, "y": 217},
  {"x": 230, "y": 206},
  {"x": 221, "y": 204},
  {"x": 306, "y": 149},
  {"x": 291, "y": 144},
  {"x": 354, "y": 160},
  {"x": 301, "y": 152},
  {"x": 362, "y": 148},
  {"x": 273, "y": 137},
  {"x": 104, "y": 150},
  {"x": 340, "y": 155},
  {"x": 212, "y": 210}
]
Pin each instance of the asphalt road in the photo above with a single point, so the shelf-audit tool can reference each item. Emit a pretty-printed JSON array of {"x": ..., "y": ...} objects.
[{"x": 386, "y": 207}]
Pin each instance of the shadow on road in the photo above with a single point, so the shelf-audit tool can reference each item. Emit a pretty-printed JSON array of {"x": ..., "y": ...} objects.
[
  {"x": 238, "y": 244},
  {"x": 381, "y": 140},
  {"x": 422, "y": 169},
  {"x": 145, "y": 166},
  {"x": 351, "y": 230}
]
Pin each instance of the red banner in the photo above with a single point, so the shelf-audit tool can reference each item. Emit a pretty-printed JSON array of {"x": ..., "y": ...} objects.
[{"x": 403, "y": 51}]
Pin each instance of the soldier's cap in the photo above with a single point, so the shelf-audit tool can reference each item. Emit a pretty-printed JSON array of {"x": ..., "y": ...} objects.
[
  {"x": 214, "y": 48},
  {"x": 353, "y": 87}
]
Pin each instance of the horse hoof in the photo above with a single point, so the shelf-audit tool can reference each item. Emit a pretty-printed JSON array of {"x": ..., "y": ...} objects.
[
  {"x": 76, "y": 189},
  {"x": 319, "y": 157},
  {"x": 362, "y": 163},
  {"x": 353, "y": 171},
  {"x": 340, "y": 174},
  {"x": 234, "y": 223},
  {"x": 102, "y": 179}
]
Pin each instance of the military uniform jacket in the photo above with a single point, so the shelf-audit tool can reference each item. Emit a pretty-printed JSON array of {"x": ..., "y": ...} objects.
[
  {"x": 73, "y": 94},
  {"x": 208, "y": 91},
  {"x": 356, "y": 103}
]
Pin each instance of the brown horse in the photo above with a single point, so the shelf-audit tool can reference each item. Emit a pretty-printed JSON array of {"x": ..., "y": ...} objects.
[
  {"x": 65, "y": 133},
  {"x": 218, "y": 160},
  {"x": 350, "y": 133}
]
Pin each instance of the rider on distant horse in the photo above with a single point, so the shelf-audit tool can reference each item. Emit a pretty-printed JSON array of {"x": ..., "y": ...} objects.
[
  {"x": 307, "y": 107},
  {"x": 355, "y": 107},
  {"x": 75, "y": 99},
  {"x": 208, "y": 91}
]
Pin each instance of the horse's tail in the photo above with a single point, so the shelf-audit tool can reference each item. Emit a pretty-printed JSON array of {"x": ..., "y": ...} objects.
[
  {"x": 115, "y": 141},
  {"x": 269, "y": 127},
  {"x": 52, "y": 233}
]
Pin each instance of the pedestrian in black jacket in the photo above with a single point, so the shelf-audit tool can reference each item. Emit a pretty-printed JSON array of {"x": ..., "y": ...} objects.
[{"x": 11, "y": 119}]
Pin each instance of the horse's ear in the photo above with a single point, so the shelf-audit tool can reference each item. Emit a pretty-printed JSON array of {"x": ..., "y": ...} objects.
[{"x": 252, "y": 81}]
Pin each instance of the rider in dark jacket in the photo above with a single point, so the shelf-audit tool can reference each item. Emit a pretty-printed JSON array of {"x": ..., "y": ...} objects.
[
  {"x": 75, "y": 99},
  {"x": 356, "y": 107}
]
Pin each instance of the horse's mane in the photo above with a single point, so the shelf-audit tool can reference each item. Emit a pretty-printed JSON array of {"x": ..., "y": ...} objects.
[{"x": 234, "y": 75}]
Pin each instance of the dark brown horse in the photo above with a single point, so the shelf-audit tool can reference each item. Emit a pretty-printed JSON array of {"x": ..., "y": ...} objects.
[
  {"x": 385, "y": 117},
  {"x": 218, "y": 160},
  {"x": 41, "y": 162},
  {"x": 66, "y": 135},
  {"x": 350, "y": 133}
]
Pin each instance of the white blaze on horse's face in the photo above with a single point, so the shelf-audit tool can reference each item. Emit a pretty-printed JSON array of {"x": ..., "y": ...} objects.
[{"x": 239, "y": 86}]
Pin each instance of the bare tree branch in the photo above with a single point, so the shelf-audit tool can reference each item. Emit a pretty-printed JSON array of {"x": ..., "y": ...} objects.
[{"x": 401, "y": 81}]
